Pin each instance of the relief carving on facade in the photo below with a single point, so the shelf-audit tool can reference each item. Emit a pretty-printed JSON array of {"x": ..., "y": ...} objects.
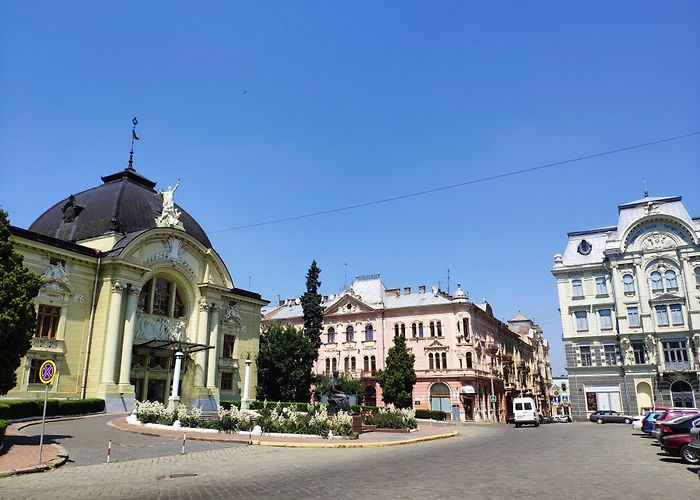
[
  {"x": 627, "y": 351},
  {"x": 174, "y": 252},
  {"x": 159, "y": 328},
  {"x": 658, "y": 241},
  {"x": 232, "y": 314},
  {"x": 55, "y": 276},
  {"x": 650, "y": 348}
]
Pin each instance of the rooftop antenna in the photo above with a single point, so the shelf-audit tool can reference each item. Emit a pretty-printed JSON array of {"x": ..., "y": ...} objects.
[
  {"x": 448, "y": 282},
  {"x": 250, "y": 282},
  {"x": 345, "y": 278},
  {"x": 646, "y": 189},
  {"x": 134, "y": 137}
]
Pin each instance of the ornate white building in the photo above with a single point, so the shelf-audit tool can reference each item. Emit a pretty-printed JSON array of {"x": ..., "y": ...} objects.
[{"x": 630, "y": 309}]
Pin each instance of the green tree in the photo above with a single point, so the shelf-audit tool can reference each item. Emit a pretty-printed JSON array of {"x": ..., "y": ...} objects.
[
  {"x": 311, "y": 305},
  {"x": 399, "y": 376},
  {"x": 18, "y": 287},
  {"x": 283, "y": 368}
]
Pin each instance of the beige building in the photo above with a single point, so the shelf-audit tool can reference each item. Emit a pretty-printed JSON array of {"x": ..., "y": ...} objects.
[
  {"x": 629, "y": 298},
  {"x": 136, "y": 304},
  {"x": 464, "y": 355}
]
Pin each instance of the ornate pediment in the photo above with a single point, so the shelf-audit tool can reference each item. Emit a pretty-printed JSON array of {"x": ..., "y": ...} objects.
[
  {"x": 435, "y": 345},
  {"x": 665, "y": 298},
  {"x": 347, "y": 304}
]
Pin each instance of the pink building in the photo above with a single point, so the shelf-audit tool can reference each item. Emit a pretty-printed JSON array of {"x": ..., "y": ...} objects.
[{"x": 464, "y": 355}]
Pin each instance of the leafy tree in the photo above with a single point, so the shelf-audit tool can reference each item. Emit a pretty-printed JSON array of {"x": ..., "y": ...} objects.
[
  {"x": 399, "y": 376},
  {"x": 311, "y": 304},
  {"x": 283, "y": 369},
  {"x": 348, "y": 385},
  {"x": 18, "y": 286}
]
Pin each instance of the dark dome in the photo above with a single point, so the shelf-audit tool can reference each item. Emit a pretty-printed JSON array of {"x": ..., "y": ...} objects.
[{"x": 125, "y": 203}]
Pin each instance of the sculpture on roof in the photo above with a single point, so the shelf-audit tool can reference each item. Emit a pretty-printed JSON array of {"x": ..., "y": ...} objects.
[{"x": 170, "y": 216}]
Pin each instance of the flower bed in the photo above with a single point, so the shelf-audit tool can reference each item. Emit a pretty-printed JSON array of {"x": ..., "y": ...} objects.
[{"x": 391, "y": 418}]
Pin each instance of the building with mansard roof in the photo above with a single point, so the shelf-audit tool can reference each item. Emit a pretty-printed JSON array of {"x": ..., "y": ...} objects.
[
  {"x": 464, "y": 354},
  {"x": 136, "y": 304},
  {"x": 629, "y": 298}
]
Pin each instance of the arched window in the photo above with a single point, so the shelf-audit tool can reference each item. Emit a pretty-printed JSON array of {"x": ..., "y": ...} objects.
[
  {"x": 370, "y": 396},
  {"x": 350, "y": 334},
  {"x": 656, "y": 283},
  {"x": 431, "y": 363},
  {"x": 628, "y": 282},
  {"x": 373, "y": 364},
  {"x": 334, "y": 365},
  {"x": 403, "y": 329},
  {"x": 331, "y": 335},
  {"x": 682, "y": 394},
  {"x": 346, "y": 364},
  {"x": 369, "y": 332},
  {"x": 432, "y": 329},
  {"x": 161, "y": 297},
  {"x": 444, "y": 361},
  {"x": 469, "y": 360},
  {"x": 671, "y": 283},
  {"x": 439, "y": 329},
  {"x": 353, "y": 363},
  {"x": 396, "y": 330},
  {"x": 414, "y": 330},
  {"x": 328, "y": 365},
  {"x": 366, "y": 363},
  {"x": 420, "y": 330},
  {"x": 440, "y": 397},
  {"x": 465, "y": 327},
  {"x": 437, "y": 360}
]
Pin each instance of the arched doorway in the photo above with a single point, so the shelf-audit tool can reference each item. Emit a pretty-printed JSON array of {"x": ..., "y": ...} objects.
[
  {"x": 440, "y": 397},
  {"x": 682, "y": 394},
  {"x": 644, "y": 397},
  {"x": 370, "y": 396}
]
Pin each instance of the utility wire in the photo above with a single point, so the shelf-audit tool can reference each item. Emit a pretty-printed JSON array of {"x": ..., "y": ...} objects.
[{"x": 453, "y": 186}]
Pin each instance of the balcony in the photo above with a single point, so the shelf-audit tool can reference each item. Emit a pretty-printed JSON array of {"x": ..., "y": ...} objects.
[
  {"x": 54, "y": 346},
  {"x": 677, "y": 366}
]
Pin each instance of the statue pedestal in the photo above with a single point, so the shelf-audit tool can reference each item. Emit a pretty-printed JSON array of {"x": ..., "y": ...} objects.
[{"x": 357, "y": 424}]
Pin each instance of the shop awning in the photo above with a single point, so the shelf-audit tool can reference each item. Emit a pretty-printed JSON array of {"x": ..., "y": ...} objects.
[{"x": 172, "y": 345}]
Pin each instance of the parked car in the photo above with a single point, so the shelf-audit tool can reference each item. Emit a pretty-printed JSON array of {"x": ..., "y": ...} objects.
[
  {"x": 693, "y": 448},
  {"x": 674, "y": 413},
  {"x": 678, "y": 425},
  {"x": 525, "y": 412},
  {"x": 562, "y": 418},
  {"x": 609, "y": 416},
  {"x": 637, "y": 422},
  {"x": 678, "y": 445},
  {"x": 510, "y": 418},
  {"x": 648, "y": 421}
]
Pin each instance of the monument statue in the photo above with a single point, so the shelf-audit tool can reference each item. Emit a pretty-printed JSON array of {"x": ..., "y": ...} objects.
[
  {"x": 650, "y": 345},
  {"x": 337, "y": 400},
  {"x": 170, "y": 216}
]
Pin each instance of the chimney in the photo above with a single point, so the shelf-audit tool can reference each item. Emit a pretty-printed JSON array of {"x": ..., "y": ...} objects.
[
  {"x": 393, "y": 291},
  {"x": 421, "y": 288},
  {"x": 407, "y": 290},
  {"x": 280, "y": 302}
]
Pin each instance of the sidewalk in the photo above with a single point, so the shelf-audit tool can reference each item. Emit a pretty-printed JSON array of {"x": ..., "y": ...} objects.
[{"x": 20, "y": 454}]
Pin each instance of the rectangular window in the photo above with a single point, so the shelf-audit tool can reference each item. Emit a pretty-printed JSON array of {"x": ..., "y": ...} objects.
[
  {"x": 47, "y": 321},
  {"x": 34, "y": 371},
  {"x": 605, "y": 319},
  {"x": 229, "y": 342},
  {"x": 638, "y": 349},
  {"x": 226, "y": 381},
  {"x": 633, "y": 317},
  {"x": 628, "y": 282},
  {"x": 581, "y": 321},
  {"x": 585, "y": 351},
  {"x": 465, "y": 328},
  {"x": 601, "y": 287},
  {"x": 519, "y": 406},
  {"x": 662, "y": 315},
  {"x": 610, "y": 356},
  {"x": 675, "y": 351},
  {"x": 161, "y": 297},
  {"x": 676, "y": 314},
  {"x": 577, "y": 288}
]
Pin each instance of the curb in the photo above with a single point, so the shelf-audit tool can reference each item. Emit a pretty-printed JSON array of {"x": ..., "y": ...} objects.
[
  {"x": 379, "y": 444},
  {"x": 61, "y": 459}
]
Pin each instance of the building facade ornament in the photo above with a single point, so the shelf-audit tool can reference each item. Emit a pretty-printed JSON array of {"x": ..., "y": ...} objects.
[
  {"x": 658, "y": 241},
  {"x": 134, "y": 290},
  {"x": 650, "y": 348},
  {"x": 159, "y": 328},
  {"x": 118, "y": 286},
  {"x": 232, "y": 314},
  {"x": 170, "y": 215},
  {"x": 55, "y": 272}
]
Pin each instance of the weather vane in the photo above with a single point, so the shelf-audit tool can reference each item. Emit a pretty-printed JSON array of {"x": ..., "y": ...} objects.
[{"x": 134, "y": 137}]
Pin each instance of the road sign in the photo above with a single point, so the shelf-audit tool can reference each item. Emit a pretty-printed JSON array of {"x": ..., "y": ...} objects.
[
  {"x": 47, "y": 372},
  {"x": 564, "y": 398},
  {"x": 493, "y": 399},
  {"x": 556, "y": 400}
]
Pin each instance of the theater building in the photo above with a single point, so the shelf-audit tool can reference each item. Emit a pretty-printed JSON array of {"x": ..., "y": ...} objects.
[
  {"x": 136, "y": 304},
  {"x": 629, "y": 298}
]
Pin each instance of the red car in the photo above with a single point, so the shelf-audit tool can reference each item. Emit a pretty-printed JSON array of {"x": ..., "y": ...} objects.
[{"x": 676, "y": 445}]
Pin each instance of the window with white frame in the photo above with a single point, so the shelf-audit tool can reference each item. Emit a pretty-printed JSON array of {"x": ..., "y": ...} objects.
[
  {"x": 331, "y": 335},
  {"x": 661, "y": 315},
  {"x": 605, "y": 319},
  {"x": 581, "y": 321},
  {"x": 671, "y": 282},
  {"x": 657, "y": 284},
  {"x": 439, "y": 329},
  {"x": 369, "y": 332},
  {"x": 628, "y": 284},
  {"x": 675, "y": 351},
  {"x": 676, "y": 314},
  {"x": 350, "y": 334},
  {"x": 633, "y": 317},
  {"x": 610, "y": 355},
  {"x": 577, "y": 288},
  {"x": 414, "y": 330},
  {"x": 47, "y": 319},
  {"x": 601, "y": 287},
  {"x": 585, "y": 351},
  {"x": 638, "y": 349}
]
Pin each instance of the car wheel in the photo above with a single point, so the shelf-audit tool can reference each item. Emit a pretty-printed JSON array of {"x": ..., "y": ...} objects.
[
  {"x": 628, "y": 420},
  {"x": 517, "y": 426},
  {"x": 688, "y": 457},
  {"x": 537, "y": 424},
  {"x": 600, "y": 421}
]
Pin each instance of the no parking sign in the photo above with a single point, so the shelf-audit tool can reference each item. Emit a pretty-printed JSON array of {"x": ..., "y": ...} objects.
[{"x": 47, "y": 372}]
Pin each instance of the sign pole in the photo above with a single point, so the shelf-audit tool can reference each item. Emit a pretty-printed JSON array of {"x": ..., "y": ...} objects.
[{"x": 43, "y": 422}]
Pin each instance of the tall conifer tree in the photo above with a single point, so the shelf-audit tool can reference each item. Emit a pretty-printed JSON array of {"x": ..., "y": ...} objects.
[
  {"x": 311, "y": 304},
  {"x": 399, "y": 376}
]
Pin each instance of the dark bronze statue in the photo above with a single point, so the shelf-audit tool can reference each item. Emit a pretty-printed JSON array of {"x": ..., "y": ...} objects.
[{"x": 337, "y": 400}]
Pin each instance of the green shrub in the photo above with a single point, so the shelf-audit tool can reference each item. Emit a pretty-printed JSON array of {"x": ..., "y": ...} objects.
[
  {"x": 431, "y": 414},
  {"x": 259, "y": 405},
  {"x": 3, "y": 426},
  {"x": 19, "y": 408}
]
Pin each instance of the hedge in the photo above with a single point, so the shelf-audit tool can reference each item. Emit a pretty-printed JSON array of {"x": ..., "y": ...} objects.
[
  {"x": 20, "y": 408},
  {"x": 431, "y": 414},
  {"x": 3, "y": 426}
]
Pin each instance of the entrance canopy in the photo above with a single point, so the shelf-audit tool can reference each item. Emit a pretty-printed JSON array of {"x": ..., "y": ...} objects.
[{"x": 172, "y": 345}]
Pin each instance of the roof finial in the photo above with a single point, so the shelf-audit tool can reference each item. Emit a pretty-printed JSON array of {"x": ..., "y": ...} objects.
[
  {"x": 646, "y": 189},
  {"x": 134, "y": 137}
]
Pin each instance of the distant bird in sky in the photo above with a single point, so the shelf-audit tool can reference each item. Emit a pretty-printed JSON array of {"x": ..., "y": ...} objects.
[{"x": 245, "y": 92}]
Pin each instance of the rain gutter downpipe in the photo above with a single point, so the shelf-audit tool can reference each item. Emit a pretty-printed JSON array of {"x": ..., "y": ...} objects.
[{"x": 93, "y": 305}]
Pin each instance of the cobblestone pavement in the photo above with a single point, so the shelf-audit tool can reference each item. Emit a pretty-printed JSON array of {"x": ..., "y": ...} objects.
[{"x": 578, "y": 460}]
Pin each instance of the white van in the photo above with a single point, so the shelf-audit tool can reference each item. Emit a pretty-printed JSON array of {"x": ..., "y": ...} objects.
[{"x": 525, "y": 412}]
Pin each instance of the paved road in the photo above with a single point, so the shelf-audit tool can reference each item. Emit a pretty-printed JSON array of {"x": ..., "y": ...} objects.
[{"x": 574, "y": 461}]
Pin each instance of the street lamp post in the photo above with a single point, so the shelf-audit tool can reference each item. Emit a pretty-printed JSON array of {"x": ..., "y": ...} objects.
[{"x": 491, "y": 350}]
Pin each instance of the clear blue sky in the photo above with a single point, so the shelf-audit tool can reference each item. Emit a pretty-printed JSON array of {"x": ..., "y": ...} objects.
[{"x": 294, "y": 107}]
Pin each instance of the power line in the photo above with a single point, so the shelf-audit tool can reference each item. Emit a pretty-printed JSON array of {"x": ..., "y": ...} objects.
[{"x": 453, "y": 186}]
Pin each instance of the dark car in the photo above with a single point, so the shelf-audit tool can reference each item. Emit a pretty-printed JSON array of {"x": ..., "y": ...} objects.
[
  {"x": 693, "y": 448},
  {"x": 510, "y": 418},
  {"x": 609, "y": 416},
  {"x": 671, "y": 414},
  {"x": 678, "y": 425},
  {"x": 678, "y": 445},
  {"x": 649, "y": 419}
]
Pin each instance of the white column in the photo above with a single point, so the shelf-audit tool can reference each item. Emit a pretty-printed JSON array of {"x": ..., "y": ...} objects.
[
  {"x": 113, "y": 328},
  {"x": 213, "y": 341},
  {"x": 201, "y": 356},
  {"x": 132, "y": 300},
  {"x": 175, "y": 396},
  {"x": 246, "y": 384}
]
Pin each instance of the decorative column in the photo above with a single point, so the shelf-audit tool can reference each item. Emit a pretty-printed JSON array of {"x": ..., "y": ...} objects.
[
  {"x": 246, "y": 383},
  {"x": 213, "y": 341},
  {"x": 174, "y": 398},
  {"x": 112, "y": 338},
  {"x": 202, "y": 333},
  {"x": 132, "y": 299}
]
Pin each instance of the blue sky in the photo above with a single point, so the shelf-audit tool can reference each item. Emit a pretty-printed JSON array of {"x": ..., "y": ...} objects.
[{"x": 281, "y": 109}]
